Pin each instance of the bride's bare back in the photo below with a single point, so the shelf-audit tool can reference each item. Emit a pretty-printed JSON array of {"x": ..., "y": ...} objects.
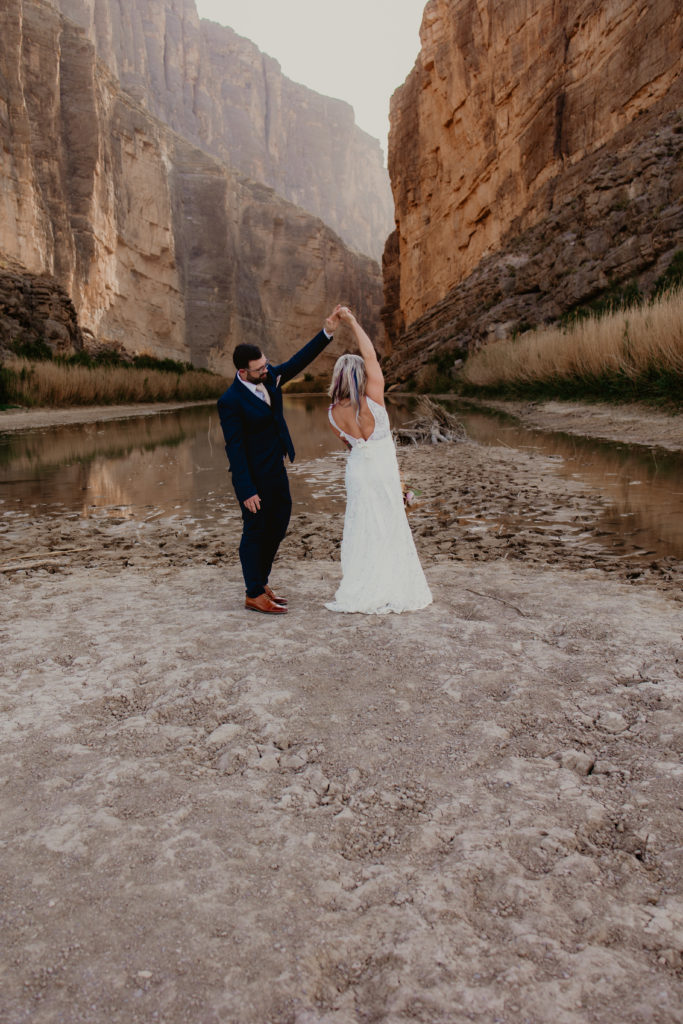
[
  {"x": 344, "y": 416},
  {"x": 343, "y": 413}
]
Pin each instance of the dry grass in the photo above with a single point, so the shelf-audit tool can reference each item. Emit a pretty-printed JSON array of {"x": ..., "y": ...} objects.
[
  {"x": 635, "y": 345},
  {"x": 57, "y": 385},
  {"x": 311, "y": 386}
]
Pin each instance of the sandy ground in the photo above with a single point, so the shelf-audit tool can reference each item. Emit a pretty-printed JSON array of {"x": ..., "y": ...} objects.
[
  {"x": 634, "y": 424},
  {"x": 470, "y": 813},
  {"x": 28, "y": 419}
]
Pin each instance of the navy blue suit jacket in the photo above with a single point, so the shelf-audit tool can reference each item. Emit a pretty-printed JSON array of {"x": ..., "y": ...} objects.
[{"x": 256, "y": 435}]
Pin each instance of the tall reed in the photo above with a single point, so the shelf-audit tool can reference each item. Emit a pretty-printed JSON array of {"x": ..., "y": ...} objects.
[
  {"x": 634, "y": 353},
  {"x": 56, "y": 384}
]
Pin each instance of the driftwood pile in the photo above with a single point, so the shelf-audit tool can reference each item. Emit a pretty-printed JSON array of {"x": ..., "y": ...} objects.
[{"x": 432, "y": 425}]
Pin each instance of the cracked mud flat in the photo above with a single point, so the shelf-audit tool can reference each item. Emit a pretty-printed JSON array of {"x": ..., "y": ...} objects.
[{"x": 470, "y": 813}]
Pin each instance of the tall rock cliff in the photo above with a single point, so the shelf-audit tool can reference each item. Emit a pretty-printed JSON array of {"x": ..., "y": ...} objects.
[
  {"x": 160, "y": 247},
  {"x": 534, "y": 155},
  {"x": 217, "y": 90}
]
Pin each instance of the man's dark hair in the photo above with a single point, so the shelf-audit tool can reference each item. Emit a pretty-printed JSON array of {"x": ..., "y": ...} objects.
[{"x": 245, "y": 354}]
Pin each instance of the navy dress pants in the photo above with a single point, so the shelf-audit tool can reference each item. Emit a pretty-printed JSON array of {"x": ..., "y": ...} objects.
[{"x": 263, "y": 531}]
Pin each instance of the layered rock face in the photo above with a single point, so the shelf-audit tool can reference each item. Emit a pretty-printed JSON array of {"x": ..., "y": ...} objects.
[
  {"x": 34, "y": 307},
  {"x": 255, "y": 268},
  {"x": 160, "y": 247},
  {"x": 532, "y": 143},
  {"x": 617, "y": 217},
  {"x": 217, "y": 89}
]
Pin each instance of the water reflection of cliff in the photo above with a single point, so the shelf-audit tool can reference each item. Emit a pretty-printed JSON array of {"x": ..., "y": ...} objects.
[
  {"x": 171, "y": 461},
  {"x": 643, "y": 489},
  {"x": 137, "y": 461},
  {"x": 81, "y": 442},
  {"x": 174, "y": 463}
]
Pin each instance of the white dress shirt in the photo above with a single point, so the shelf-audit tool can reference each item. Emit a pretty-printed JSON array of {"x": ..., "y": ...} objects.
[{"x": 254, "y": 388}]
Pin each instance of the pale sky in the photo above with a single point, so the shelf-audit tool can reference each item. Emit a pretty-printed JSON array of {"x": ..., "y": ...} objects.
[{"x": 354, "y": 50}]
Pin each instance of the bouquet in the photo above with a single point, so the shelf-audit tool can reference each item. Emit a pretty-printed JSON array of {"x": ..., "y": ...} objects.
[{"x": 410, "y": 495}]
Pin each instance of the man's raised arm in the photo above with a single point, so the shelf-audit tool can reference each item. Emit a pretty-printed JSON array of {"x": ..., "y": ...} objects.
[{"x": 301, "y": 359}]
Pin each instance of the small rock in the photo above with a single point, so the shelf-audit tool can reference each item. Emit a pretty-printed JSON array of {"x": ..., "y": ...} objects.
[
  {"x": 292, "y": 762},
  {"x": 577, "y": 866},
  {"x": 345, "y": 815},
  {"x": 233, "y": 760},
  {"x": 279, "y": 738},
  {"x": 577, "y": 761},
  {"x": 581, "y": 910},
  {"x": 269, "y": 761},
  {"x": 223, "y": 734},
  {"x": 612, "y": 721},
  {"x": 670, "y": 958},
  {"x": 318, "y": 783},
  {"x": 608, "y": 768},
  {"x": 596, "y": 815}
]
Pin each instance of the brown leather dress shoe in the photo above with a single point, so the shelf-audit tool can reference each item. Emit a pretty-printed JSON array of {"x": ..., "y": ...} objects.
[
  {"x": 276, "y": 600},
  {"x": 263, "y": 603}
]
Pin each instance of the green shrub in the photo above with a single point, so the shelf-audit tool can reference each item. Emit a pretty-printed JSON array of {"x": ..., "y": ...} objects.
[
  {"x": 672, "y": 278},
  {"x": 616, "y": 298},
  {"x": 36, "y": 349}
]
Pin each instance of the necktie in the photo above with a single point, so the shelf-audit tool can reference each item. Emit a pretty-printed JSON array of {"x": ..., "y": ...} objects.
[{"x": 261, "y": 388}]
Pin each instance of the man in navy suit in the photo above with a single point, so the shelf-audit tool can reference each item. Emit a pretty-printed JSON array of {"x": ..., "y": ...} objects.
[{"x": 257, "y": 441}]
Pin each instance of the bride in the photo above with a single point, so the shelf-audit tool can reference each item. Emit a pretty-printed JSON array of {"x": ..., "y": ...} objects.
[{"x": 380, "y": 566}]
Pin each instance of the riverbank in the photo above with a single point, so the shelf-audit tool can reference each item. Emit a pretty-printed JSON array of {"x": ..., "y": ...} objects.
[
  {"x": 462, "y": 814},
  {"x": 27, "y": 379},
  {"x": 628, "y": 423},
  {"x": 36, "y": 419},
  {"x": 628, "y": 349}
]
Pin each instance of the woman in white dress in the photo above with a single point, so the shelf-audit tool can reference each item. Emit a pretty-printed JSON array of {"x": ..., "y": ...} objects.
[{"x": 380, "y": 566}]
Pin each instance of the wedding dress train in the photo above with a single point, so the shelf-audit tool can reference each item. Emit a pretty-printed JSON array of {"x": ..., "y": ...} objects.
[{"x": 381, "y": 571}]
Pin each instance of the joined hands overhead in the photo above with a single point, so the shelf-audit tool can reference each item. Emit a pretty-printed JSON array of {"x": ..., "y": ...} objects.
[
  {"x": 346, "y": 316},
  {"x": 340, "y": 314},
  {"x": 332, "y": 321}
]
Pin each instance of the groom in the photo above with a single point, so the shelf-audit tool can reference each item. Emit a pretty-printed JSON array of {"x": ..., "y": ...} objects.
[{"x": 257, "y": 441}]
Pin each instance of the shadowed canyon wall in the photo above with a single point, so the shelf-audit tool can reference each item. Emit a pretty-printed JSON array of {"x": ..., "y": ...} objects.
[
  {"x": 217, "y": 90},
  {"x": 160, "y": 247},
  {"x": 535, "y": 160}
]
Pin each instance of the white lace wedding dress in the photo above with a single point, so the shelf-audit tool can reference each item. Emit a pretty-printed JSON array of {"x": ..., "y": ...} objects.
[{"x": 380, "y": 566}]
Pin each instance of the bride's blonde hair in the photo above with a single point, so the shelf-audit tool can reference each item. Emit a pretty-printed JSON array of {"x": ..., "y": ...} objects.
[{"x": 348, "y": 381}]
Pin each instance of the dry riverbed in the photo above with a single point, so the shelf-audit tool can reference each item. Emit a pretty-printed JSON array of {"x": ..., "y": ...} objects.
[{"x": 471, "y": 813}]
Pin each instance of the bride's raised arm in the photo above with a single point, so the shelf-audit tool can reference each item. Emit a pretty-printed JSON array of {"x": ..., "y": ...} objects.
[{"x": 375, "y": 378}]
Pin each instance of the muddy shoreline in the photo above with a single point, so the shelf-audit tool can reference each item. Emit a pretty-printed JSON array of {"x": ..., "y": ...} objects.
[
  {"x": 464, "y": 814},
  {"x": 631, "y": 424},
  {"x": 35, "y": 419}
]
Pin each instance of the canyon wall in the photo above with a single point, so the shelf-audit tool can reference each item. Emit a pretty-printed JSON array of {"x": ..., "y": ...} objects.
[
  {"x": 33, "y": 307},
  {"x": 160, "y": 247},
  {"x": 534, "y": 155},
  {"x": 217, "y": 90}
]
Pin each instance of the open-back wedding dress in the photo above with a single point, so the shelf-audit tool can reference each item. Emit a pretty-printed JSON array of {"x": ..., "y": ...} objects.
[{"x": 380, "y": 566}]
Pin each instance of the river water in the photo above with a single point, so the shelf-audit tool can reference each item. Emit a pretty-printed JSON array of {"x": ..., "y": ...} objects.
[{"x": 174, "y": 464}]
